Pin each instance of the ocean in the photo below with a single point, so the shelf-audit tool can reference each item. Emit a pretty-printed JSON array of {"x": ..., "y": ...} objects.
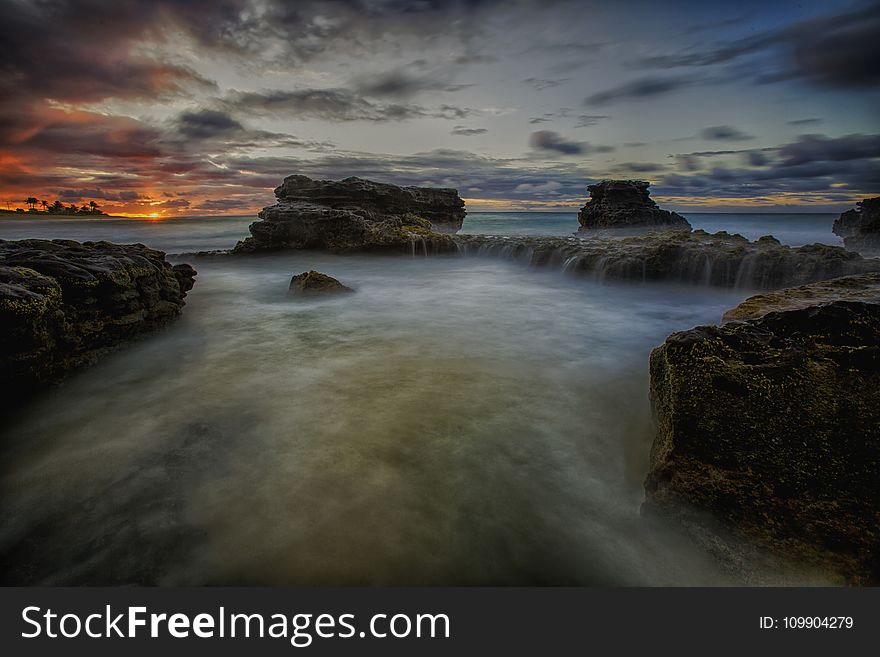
[{"x": 456, "y": 421}]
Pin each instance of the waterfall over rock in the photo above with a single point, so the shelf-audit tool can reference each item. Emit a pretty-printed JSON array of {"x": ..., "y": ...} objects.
[{"x": 697, "y": 257}]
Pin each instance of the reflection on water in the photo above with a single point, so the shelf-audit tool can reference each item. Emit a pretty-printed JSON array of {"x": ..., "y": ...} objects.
[{"x": 455, "y": 421}]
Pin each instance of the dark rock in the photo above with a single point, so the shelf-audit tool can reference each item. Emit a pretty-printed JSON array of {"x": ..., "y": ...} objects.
[
  {"x": 616, "y": 204},
  {"x": 860, "y": 228},
  {"x": 356, "y": 214},
  {"x": 64, "y": 303},
  {"x": 769, "y": 428},
  {"x": 721, "y": 259},
  {"x": 313, "y": 282}
]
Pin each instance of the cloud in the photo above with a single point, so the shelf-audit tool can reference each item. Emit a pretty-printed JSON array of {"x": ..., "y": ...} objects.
[
  {"x": 468, "y": 132},
  {"x": 547, "y": 140},
  {"x": 402, "y": 83},
  {"x": 540, "y": 84},
  {"x": 96, "y": 192},
  {"x": 818, "y": 148},
  {"x": 647, "y": 87},
  {"x": 640, "y": 167},
  {"x": 207, "y": 124},
  {"x": 335, "y": 105},
  {"x": 835, "y": 50},
  {"x": 531, "y": 188},
  {"x": 724, "y": 133},
  {"x": 811, "y": 121},
  {"x": 587, "y": 120},
  {"x": 756, "y": 158}
]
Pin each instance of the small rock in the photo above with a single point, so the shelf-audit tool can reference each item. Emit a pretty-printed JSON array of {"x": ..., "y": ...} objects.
[
  {"x": 315, "y": 283},
  {"x": 616, "y": 204}
]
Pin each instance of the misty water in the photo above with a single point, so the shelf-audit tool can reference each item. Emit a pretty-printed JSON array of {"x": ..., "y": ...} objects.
[{"x": 457, "y": 421}]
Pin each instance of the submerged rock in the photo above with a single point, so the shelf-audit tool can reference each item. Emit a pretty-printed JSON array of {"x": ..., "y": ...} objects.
[
  {"x": 313, "y": 282},
  {"x": 860, "y": 228},
  {"x": 616, "y": 204},
  {"x": 64, "y": 303},
  {"x": 769, "y": 428},
  {"x": 697, "y": 257},
  {"x": 356, "y": 214}
]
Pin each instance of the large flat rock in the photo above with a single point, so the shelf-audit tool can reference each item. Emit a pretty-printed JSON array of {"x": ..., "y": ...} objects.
[
  {"x": 769, "y": 429},
  {"x": 64, "y": 303},
  {"x": 354, "y": 214}
]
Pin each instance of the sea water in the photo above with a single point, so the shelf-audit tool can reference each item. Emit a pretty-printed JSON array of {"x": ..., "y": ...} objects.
[{"x": 456, "y": 421}]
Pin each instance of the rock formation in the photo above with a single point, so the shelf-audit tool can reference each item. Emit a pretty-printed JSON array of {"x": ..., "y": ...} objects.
[
  {"x": 314, "y": 283},
  {"x": 721, "y": 259},
  {"x": 860, "y": 228},
  {"x": 769, "y": 428},
  {"x": 616, "y": 204},
  {"x": 64, "y": 303},
  {"x": 356, "y": 214}
]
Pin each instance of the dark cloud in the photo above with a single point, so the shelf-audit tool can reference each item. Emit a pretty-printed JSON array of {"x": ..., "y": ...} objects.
[
  {"x": 207, "y": 124},
  {"x": 724, "y": 133},
  {"x": 640, "y": 167},
  {"x": 539, "y": 119},
  {"x": 174, "y": 203},
  {"x": 208, "y": 128},
  {"x": 51, "y": 131},
  {"x": 58, "y": 50},
  {"x": 401, "y": 83},
  {"x": 834, "y": 50},
  {"x": 96, "y": 192},
  {"x": 223, "y": 204},
  {"x": 687, "y": 162},
  {"x": 587, "y": 120},
  {"x": 818, "y": 148},
  {"x": 468, "y": 132},
  {"x": 648, "y": 87},
  {"x": 540, "y": 84},
  {"x": 547, "y": 140},
  {"x": 335, "y": 105},
  {"x": 756, "y": 158},
  {"x": 812, "y": 121}
]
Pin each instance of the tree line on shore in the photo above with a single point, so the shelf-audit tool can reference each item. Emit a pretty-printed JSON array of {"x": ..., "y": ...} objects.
[{"x": 42, "y": 206}]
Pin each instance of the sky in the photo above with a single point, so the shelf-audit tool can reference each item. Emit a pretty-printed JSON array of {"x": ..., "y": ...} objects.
[{"x": 201, "y": 107}]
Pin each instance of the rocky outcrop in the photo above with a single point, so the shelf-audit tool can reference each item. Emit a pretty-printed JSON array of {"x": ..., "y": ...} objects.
[
  {"x": 64, "y": 303},
  {"x": 860, "y": 228},
  {"x": 355, "y": 215},
  {"x": 625, "y": 204},
  {"x": 721, "y": 259},
  {"x": 314, "y": 283},
  {"x": 769, "y": 428}
]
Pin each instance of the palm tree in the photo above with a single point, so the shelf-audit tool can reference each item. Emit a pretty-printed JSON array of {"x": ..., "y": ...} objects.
[
  {"x": 72, "y": 209},
  {"x": 57, "y": 207},
  {"x": 32, "y": 202},
  {"x": 93, "y": 206},
  {"x": 45, "y": 206}
]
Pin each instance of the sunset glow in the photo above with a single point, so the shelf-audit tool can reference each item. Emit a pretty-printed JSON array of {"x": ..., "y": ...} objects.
[{"x": 172, "y": 115}]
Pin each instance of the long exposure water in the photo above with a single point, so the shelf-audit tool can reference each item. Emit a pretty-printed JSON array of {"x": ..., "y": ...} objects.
[{"x": 457, "y": 421}]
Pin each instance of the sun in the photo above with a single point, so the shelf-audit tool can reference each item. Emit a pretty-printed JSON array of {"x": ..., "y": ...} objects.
[{"x": 154, "y": 215}]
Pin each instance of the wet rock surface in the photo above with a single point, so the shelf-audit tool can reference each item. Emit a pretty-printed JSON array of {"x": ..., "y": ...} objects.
[
  {"x": 769, "y": 430},
  {"x": 64, "y": 303},
  {"x": 354, "y": 214},
  {"x": 314, "y": 283},
  {"x": 625, "y": 204},
  {"x": 696, "y": 257},
  {"x": 860, "y": 228}
]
